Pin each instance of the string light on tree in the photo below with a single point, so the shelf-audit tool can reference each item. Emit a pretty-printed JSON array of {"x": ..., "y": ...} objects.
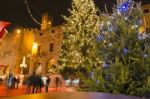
[
  {"x": 100, "y": 37},
  {"x": 124, "y": 7},
  {"x": 126, "y": 62}
]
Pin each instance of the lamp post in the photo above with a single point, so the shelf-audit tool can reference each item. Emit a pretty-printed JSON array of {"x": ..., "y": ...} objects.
[
  {"x": 34, "y": 52},
  {"x": 23, "y": 65}
]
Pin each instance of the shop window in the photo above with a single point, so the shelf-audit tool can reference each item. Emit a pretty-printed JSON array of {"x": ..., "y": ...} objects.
[
  {"x": 41, "y": 34},
  {"x": 39, "y": 49}
]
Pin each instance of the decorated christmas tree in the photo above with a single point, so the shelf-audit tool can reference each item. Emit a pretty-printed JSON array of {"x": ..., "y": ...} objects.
[
  {"x": 80, "y": 30},
  {"x": 124, "y": 47}
]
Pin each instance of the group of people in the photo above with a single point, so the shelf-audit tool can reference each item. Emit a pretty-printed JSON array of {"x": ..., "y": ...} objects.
[
  {"x": 12, "y": 82},
  {"x": 35, "y": 83}
]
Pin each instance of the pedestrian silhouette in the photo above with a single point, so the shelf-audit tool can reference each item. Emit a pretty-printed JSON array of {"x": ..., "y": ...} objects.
[
  {"x": 47, "y": 83},
  {"x": 57, "y": 82}
]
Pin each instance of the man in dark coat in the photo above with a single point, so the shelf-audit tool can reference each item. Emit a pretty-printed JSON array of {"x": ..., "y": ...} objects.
[{"x": 47, "y": 83}]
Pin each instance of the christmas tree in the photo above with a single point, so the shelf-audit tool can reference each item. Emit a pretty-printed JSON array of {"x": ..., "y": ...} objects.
[
  {"x": 80, "y": 30},
  {"x": 123, "y": 45}
]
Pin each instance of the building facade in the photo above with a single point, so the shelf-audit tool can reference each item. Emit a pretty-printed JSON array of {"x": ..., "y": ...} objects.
[
  {"x": 49, "y": 40},
  {"x": 13, "y": 48},
  {"x": 17, "y": 45},
  {"x": 9, "y": 49}
]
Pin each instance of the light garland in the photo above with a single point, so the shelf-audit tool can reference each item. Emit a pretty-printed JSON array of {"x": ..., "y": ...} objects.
[{"x": 33, "y": 18}]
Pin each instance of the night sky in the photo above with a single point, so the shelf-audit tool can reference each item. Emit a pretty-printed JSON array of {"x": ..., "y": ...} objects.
[{"x": 15, "y": 11}]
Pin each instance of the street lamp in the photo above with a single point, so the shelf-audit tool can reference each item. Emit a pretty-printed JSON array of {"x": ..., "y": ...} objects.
[
  {"x": 34, "y": 52},
  {"x": 23, "y": 64}
]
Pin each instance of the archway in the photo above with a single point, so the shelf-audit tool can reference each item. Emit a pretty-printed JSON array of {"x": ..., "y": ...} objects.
[
  {"x": 4, "y": 69},
  {"x": 52, "y": 66}
]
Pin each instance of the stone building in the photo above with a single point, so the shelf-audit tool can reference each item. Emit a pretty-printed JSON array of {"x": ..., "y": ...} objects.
[
  {"x": 8, "y": 51},
  {"x": 16, "y": 45},
  {"x": 13, "y": 47},
  {"x": 49, "y": 40}
]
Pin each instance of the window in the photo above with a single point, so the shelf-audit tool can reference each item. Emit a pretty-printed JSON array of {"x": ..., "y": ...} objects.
[
  {"x": 41, "y": 34},
  {"x": 146, "y": 11},
  {"x": 51, "y": 47},
  {"x": 53, "y": 31},
  {"x": 39, "y": 49}
]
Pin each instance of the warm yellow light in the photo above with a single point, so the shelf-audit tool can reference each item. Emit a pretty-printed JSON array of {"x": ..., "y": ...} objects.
[
  {"x": 18, "y": 31},
  {"x": 34, "y": 48},
  {"x": 141, "y": 29}
]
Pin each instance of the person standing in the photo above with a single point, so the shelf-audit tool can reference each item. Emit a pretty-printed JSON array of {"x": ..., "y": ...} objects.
[
  {"x": 10, "y": 79},
  {"x": 57, "y": 81},
  {"x": 13, "y": 82},
  {"x": 31, "y": 83},
  {"x": 47, "y": 83},
  {"x": 17, "y": 82},
  {"x": 39, "y": 84}
]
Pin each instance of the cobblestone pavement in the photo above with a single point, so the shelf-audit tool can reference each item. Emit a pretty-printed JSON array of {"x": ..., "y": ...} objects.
[{"x": 21, "y": 91}]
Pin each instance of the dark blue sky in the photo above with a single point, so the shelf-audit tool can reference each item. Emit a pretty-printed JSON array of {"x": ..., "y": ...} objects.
[{"x": 16, "y": 12}]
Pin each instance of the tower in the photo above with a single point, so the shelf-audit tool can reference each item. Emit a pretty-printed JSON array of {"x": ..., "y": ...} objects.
[{"x": 46, "y": 21}]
